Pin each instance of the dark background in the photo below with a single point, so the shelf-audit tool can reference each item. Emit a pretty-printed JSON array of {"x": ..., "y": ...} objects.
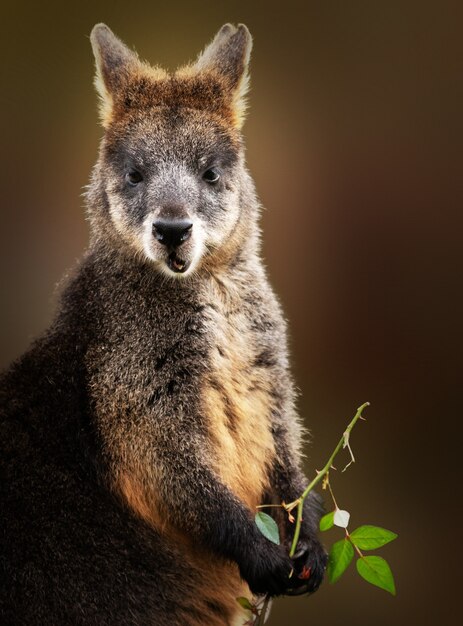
[{"x": 354, "y": 142}]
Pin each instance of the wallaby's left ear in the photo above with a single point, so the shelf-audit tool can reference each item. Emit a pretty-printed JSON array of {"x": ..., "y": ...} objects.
[
  {"x": 228, "y": 55},
  {"x": 114, "y": 64}
]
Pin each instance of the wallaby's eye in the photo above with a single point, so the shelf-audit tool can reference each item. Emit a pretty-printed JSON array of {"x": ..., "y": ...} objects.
[
  {"x": 133, "y": 177},
  {"x": 211, "y": 175}
]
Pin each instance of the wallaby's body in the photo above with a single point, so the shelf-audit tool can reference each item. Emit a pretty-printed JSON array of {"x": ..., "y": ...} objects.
[{"x": 142, "y": 430}]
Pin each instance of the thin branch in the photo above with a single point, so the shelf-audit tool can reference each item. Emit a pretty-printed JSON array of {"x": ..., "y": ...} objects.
[
  {"x": 260, "y": 619},
  {"x": 344, "y": 441}
]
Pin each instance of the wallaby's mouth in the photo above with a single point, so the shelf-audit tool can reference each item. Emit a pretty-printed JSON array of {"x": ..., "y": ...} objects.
[{"x": 176, "y": 264}]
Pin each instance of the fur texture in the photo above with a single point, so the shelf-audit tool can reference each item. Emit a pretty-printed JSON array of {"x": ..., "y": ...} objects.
[{"x": 141, "y": 431}]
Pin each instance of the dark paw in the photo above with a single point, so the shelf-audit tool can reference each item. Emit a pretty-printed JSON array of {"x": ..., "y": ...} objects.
[
  {"x": 271, "y": 571},
  {"x": 268, "y": 572},
  {"x": 309, "y": 563}
]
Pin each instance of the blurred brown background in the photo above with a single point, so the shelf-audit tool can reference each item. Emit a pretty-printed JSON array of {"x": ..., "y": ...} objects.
[{"x": 354, "y": 142}]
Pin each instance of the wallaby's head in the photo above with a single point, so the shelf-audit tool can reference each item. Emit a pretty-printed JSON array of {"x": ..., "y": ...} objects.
[{"x": 170, "y": 183}]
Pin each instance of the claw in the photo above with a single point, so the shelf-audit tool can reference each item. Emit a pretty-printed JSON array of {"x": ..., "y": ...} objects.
[{"x": 305, "y": 574}]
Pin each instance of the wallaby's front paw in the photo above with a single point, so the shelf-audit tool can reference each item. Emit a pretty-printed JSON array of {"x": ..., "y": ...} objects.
[
  {"x": 268, "y": 571},
  {"x": 309, "y": 564},
  {"x": 271, "y": 571}
]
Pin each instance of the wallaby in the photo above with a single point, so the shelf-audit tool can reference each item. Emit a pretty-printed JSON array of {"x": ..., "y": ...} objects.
[{"x": 145, "y": 426}]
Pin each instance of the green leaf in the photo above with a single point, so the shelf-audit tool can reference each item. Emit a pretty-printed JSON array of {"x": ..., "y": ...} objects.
[
  {"x": 245, "y": 603},
  {"x": 341, "y": 554},
  {"x": 371, "y": 537},
  {"x": 375, "y": 570},
  {"x": 267, "y": 527},
  {"x": 327, "y": 521}
]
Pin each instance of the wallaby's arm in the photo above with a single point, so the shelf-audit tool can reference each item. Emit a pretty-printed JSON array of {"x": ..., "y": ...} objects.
[{"x": 199, "y": 504}]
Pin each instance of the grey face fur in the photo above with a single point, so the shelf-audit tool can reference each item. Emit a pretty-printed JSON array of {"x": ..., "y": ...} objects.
[{"x": 157, "y": 169}]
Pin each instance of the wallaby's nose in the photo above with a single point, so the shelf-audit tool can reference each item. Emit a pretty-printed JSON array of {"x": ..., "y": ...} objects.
[{"x": 172, "y": 233}]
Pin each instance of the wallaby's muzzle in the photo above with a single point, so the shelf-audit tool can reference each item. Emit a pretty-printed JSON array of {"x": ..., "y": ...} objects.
[{"x": 173, "y": 233}]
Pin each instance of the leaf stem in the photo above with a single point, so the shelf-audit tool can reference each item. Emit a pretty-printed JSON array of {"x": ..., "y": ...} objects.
[
  {"x": 328, "y": 484},
  {"x": 359, "y": 552},
  {"x": 343, "y": 443}
]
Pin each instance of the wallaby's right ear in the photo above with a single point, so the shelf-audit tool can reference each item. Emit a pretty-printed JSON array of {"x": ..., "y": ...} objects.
[
  {"x": 228, "y": 55},
  {"x": 114, "y": 64}
]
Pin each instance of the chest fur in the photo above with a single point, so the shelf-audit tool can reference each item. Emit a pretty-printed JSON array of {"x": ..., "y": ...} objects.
[
  {"x": 198, "y": 373},
  {"x": 237, "y": 400}
]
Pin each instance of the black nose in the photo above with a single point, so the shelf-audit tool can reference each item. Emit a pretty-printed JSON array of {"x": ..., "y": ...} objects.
[{"x": 172, "y": 233}]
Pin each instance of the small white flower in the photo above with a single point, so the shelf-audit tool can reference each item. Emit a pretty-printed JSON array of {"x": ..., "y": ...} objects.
[{"x": 341, "y": 518}]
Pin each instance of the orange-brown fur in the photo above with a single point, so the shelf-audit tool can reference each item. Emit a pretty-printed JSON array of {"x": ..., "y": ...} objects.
[{"x": 222, "y": 582}]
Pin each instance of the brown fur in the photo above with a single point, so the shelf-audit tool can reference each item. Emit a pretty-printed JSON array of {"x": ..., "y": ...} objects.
[{"x": 204, "y": 93}]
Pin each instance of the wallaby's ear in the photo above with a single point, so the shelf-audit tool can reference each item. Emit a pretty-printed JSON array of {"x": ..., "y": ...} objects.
[
  {"x": 114, "y": 64},
  {"x": 228, "y": 55}
]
